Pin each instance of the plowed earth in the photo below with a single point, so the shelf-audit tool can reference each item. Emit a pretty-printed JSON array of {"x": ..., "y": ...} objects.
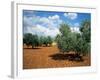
[{"x": 49, "y": 57}]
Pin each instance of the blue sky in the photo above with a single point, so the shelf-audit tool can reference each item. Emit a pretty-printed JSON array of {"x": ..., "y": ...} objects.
[{"x": 47, "y": 23}]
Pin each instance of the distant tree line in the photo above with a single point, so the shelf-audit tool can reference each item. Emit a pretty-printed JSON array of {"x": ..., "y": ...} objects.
[
  {"x": 35, "y": 40},
  {"x": 73, "y": 41}
]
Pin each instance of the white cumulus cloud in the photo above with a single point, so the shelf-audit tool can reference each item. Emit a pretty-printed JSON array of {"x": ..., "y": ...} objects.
[
  {"x": 75, "y": 29},
  {"x": 47, "y": 26},
  {"x": 71, "y": 16},
  {"x": 55, "y": 17},
  {"x": 41, "y": 30}
]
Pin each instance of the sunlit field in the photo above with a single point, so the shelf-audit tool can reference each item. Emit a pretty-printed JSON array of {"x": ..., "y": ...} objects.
[
  {"x": 49, "y": 57},
  {"x": 56, "y": 39}
]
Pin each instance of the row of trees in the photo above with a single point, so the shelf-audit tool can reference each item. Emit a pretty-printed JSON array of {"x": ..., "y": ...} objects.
[
  {"x": 66, "y": 41},
  {"x": 73, "y": 41},
  {"x": 35, "y": 40}
]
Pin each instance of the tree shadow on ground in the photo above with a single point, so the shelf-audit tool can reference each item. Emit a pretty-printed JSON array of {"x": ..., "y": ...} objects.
[{"x": 70, "y": 57}]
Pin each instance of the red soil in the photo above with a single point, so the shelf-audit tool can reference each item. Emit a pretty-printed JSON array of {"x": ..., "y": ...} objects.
[{"x": 41, "y": 57}]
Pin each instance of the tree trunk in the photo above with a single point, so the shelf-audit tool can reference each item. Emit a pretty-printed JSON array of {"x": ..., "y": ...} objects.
[{"x": 32, "y": 47}]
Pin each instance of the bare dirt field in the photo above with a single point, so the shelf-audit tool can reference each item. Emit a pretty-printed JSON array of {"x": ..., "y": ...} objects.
[{"x": 49, "y": 57}]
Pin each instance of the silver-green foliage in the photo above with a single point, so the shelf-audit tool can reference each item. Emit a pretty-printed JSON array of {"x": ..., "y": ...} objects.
[{"x": 73, "y": 41}]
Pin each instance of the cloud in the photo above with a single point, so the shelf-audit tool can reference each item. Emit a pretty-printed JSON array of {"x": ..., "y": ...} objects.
[
  {"x": 44, "y": 31},
  {"x": 51, "y": 21},
  {"x": 55, "y": 17},
  {"x": 75, "y": 27},
  {"x": 71, "y": 16},
  {"x": 44, "y": 20},
  {"x": 47, "y": 26},
  {"x": 30, "y": 21}
]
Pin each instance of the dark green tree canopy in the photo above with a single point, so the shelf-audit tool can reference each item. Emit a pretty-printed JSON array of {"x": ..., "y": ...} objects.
[
  {"x": 86, "y": 30},
  {"x": 28, "y": 39},
  {"x": 35, "y": 40}
]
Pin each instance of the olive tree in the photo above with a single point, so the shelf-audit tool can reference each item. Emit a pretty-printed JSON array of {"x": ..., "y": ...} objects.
[
  {"x": 35, "y": 41},
  {"x": 28, "y": 39},
  {"x": 86, "y": 36},
  {"x": 63, "y": 39},
  {"x": 41, "y": 40},
  {"x": 86, "y": 30},
  {"x": 73, "y": 41},
  {"x": 50, "y": 40}
]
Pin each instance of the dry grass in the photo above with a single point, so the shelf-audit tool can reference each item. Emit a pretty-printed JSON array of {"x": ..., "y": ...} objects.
[{"x": 41, "y": 57}]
